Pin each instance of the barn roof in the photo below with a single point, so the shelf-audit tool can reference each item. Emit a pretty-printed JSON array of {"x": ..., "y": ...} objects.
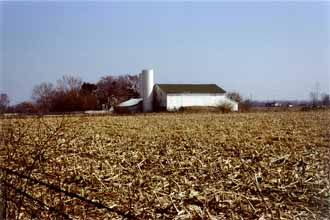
[{"x": 191, "y": 88}]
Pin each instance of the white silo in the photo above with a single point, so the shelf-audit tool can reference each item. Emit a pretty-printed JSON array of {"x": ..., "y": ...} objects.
[{"x": 147, "y": 89}]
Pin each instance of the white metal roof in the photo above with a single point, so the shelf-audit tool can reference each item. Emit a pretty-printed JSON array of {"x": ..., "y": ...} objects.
[{"x": 130, "y": 102}]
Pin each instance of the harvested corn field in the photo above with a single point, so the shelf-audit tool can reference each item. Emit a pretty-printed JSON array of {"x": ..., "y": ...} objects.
[{"x": 168, "y": 166}]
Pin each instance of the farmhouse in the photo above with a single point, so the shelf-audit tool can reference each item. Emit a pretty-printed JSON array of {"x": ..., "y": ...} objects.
[{"x": 155, "y": 97}]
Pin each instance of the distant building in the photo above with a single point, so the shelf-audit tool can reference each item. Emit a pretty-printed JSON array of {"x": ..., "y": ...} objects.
[
  {"x": 273, "y": 104},
  {"x": 289, "y": 105},
  {"x": 171, "y": 97}
]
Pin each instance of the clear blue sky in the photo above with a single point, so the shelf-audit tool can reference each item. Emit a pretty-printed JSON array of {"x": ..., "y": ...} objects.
[{"x": 264, "y": 50}]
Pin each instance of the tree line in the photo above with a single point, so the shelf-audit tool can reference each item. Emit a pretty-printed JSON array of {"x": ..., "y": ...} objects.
[{"x": 72, "y": 94}]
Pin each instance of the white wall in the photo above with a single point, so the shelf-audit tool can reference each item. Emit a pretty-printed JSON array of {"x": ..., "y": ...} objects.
[{"x": 175, "y": 101}]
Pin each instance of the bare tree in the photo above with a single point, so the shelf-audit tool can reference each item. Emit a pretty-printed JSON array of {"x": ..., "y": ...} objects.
[
  {"x": 314, "y": 98},
  {"x": 235, "y": 96},
  {"x": 314, "y": 95},
  {"x": 325, "y": 99},
  {"x": 69, "y": 84},
  {"x": 43, "y": 94},
  {"x": 67, "y": 95},
  {"x": 88, "y": 88},
  {"x": 25, "y": 108},
  {"x": 111, "y": 90},
  {"x": 4, "y": 102},
  {"x": 71, "y": 94},
  {"x": 88, "y": 96}
]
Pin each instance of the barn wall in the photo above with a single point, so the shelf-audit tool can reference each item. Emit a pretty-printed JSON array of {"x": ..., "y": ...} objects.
[{"x": 175, "y": 101}]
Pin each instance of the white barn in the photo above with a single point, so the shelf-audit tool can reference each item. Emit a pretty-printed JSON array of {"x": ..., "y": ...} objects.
[
  {"x": 174, "y": 96},
  {"x": 171, "y": 97}
]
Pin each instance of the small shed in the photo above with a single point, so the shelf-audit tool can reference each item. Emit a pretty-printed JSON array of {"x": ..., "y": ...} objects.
[{"x": 130, "y": 106}]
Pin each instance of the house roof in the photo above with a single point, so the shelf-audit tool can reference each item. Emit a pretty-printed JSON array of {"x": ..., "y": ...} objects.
[{"x": 191, "y": 88}]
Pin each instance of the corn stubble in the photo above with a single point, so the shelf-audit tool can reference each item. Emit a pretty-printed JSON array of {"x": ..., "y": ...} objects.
[{"x": 169, "y": 166}]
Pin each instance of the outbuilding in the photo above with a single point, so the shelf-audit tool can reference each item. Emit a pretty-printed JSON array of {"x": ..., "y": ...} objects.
[{"x": 130, "y": 106}]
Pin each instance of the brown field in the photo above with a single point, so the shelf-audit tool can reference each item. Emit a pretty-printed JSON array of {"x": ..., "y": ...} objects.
[{"x": 273, "y": 165}]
